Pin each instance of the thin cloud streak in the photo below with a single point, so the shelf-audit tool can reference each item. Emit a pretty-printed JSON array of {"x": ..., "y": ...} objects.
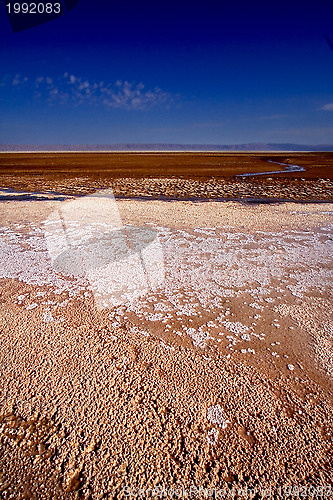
[
  {"x": 70, "y": 89},
  {"x": 327, "y": 107}
]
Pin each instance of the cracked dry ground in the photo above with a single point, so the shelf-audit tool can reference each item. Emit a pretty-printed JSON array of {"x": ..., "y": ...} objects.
[{"x": 96, "y": 400}]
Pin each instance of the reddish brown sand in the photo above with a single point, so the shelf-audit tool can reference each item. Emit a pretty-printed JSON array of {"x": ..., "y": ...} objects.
[
  {"x": 64, "y": 166},
  {"x": 221, "y": 379},
  {"x": 175, "y": 175}
]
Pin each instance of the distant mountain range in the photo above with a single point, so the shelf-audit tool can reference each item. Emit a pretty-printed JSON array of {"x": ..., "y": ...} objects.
[{"x": 166, "y": 147}]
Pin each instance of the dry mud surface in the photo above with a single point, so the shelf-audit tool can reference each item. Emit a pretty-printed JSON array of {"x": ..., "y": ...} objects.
[
  {"x": 219, "y": 378},
  {"x": 288, "y": 176}
]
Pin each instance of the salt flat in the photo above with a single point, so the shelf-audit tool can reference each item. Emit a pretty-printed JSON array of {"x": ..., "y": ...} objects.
[{"x": 220, "y": 375}]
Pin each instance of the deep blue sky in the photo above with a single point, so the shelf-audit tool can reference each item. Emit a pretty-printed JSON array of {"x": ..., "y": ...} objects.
[{"x": 170, "y": 71}]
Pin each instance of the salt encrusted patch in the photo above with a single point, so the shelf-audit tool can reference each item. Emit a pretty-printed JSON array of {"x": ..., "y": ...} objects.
[
  {"x": 155, "y": 317},
  {"x": 203, "y": 267},
  {"x": 177, "y": 332},
  {"x": 135, "y": 329},
  {"x": 215, "y": 416},
  {"x": 211, "y": 324},
  {"x": 162, "y": 307},
  {"x": 256, "y": 306},
  {"x": 31, "y": 306},
  {"x": 165, "y": 346},
  {"x": 26, "y": 258},
  {"x": 207, "y": 231},
  {"x": 212, "y": 436},
  {"x": 245, "y": 336},
  {"x": 291, "y": 367},
  {"x": 198, "y": 336},
  {"x": 235, "y": 326},
  {"x": 47, "y": 317},
  {"x": 244, "y": 351}
]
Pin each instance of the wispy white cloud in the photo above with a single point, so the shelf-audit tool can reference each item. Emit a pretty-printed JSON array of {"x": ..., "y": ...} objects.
[
  {"x": 69, "y": 88},
  {"x": 133, "y": 96},
  {"x": 18, "y": 80},
  {"x": 327, "y": 107}
]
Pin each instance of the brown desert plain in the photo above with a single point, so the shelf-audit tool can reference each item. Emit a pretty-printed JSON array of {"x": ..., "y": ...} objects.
[{"x": 213, "y": 382}]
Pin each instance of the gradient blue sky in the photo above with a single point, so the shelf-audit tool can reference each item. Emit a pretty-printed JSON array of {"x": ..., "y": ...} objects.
[{"x": 170, "y": 71}]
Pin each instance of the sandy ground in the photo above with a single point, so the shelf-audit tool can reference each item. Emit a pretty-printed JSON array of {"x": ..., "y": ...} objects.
[
  {"x": 62, "y": 167},
  {"x": 219, "y": 378},
  {"x": 173, "y": 175}
]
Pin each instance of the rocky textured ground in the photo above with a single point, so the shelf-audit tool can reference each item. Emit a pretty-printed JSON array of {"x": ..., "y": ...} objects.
[
  {"x": 219, "y": 379},
  {"x": 301, "y": 190}
]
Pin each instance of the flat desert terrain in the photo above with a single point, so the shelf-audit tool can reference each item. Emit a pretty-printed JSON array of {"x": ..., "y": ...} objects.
[
  {"x": 173, "y": 175},
  {"x": 166, "y": 326}
]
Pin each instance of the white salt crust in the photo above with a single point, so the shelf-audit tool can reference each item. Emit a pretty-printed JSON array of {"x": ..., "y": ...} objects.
[
  {"x": 204, "y": 267},
  {"x": 215, "y": 416}
]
